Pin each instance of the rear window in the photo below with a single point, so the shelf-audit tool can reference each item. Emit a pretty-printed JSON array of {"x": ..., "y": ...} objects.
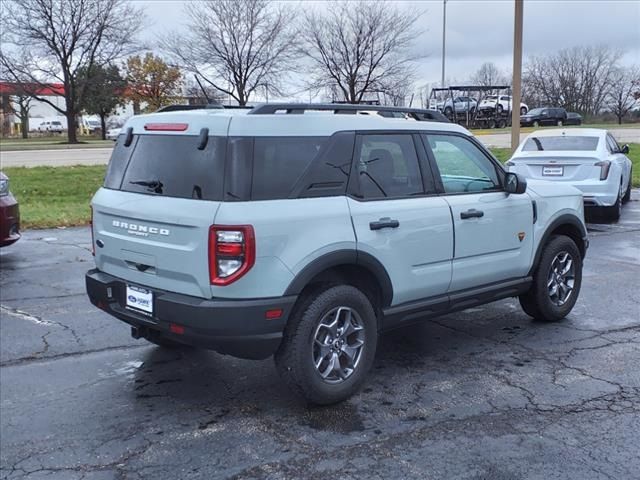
[
  {"x": 168, "y": 165},
  {"x": 560, "y": 144}
]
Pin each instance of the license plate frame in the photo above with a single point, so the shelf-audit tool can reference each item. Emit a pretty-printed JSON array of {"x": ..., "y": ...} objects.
[
  {"x": 553, "y": 171},
  {"x": 139, "y": 299}
]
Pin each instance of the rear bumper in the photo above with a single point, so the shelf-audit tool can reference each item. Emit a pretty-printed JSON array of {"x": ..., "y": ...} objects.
[
  {"x": 598, "y": 193},
  {"x": 235, "y": 327},
  {"x": 9, "y": 220}
]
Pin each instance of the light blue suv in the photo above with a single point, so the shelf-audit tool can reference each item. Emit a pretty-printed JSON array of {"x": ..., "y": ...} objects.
[{"x": 304, "y": 231}]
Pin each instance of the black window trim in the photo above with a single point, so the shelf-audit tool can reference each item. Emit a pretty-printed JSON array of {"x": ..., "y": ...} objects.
[
  {"x": 500, "y": 171},
  {"x": 353, "y": 187}
]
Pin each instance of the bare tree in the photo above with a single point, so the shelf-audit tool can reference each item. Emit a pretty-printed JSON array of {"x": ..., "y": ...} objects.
[
  {"x": 489, "y": 74},
  {"x": 624, "y": 83},
  {"x": 236, "y": 46},
  {"x": 578, "y": 78},
  {"x": 61, "y": 38},
  {"x": 359, "y": 47}
]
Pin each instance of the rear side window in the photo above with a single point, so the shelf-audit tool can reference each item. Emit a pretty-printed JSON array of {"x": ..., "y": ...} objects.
[
  {"x": 168, "y": 165},
  {"x": 388, "y": 166},
  {"x": 560, "y": 143},
  {"x": 278, "y": 163}
]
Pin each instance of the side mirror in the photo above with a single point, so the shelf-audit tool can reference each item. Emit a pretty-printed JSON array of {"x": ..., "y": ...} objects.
[
  {"x": 514, "y": 183},
  {"x": 624, "y": 149}
]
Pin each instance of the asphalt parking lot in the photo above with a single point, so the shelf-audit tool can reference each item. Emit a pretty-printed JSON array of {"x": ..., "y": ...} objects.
[{"x": 482, "y": 394}]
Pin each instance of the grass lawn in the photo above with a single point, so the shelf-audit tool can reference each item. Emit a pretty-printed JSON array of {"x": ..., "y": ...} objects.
[
  {"x": 54, "y": 142},
  {"x": 55, "y": 196},
  {"x": 60, "y": 196}
]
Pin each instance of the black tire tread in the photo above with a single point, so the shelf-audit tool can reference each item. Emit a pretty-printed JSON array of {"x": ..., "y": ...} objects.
[{"x": 294, "y": 346}]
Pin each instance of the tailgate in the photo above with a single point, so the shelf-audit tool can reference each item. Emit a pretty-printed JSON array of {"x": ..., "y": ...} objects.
[{"x": 159, "y": 242}]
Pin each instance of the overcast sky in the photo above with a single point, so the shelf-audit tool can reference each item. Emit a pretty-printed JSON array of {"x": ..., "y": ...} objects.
[{"x": 482, "y": 31}]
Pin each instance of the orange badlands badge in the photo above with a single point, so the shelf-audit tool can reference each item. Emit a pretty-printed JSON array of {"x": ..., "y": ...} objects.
[{"x": 521, "y": 235}]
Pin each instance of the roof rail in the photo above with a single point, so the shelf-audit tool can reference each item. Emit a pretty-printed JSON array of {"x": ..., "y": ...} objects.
[{"x": 350, "y": 109}]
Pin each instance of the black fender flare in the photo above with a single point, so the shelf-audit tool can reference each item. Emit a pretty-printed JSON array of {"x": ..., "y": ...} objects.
[
  {"x": 343, "y": 257},
  {"x": 564, "y": 219}
]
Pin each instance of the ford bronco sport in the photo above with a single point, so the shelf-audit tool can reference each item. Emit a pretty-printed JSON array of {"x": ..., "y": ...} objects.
[{"x": 303, "y": 231}]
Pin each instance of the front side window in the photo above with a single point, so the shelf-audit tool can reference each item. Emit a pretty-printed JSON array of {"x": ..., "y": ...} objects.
[
  {"x": 387, "y": 166},
  {"x": 463, "y": 167}
]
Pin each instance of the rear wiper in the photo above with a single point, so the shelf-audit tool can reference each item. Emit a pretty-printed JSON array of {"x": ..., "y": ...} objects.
[{"x": 154, "y": 185}]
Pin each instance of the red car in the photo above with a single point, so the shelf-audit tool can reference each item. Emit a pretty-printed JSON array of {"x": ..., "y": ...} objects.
[{"x": 9, "y": 214}]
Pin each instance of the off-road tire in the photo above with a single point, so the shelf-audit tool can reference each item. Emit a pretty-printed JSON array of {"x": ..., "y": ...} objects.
[
  {"x": 294, "y": 360},
  {"x": 537, "y": 302}
]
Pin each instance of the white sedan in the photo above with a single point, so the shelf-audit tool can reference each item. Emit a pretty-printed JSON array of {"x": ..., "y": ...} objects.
[
  {"x": 590, "y": 159},
  {"x": 112, "y": 133}
]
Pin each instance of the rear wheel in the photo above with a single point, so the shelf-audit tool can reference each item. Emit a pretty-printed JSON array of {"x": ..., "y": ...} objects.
[
  {"x": 523, "y": 110},
  {"x": 559, "y": 123},
  {"x": 499, "y": 108},
  {"x": 614, "y": 212},
  {"x": 448, "y": 111},
  {"x": 556, "y": 281},
  {"x": 627, "y": 194},
  {"x": 329, "y": 345}
]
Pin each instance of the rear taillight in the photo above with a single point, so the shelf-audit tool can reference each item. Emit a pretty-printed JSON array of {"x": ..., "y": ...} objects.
[
  {"x": 93, "y": 240},
  {"x": 604, "y": 169},
  {"x": 232, "y": 252}
]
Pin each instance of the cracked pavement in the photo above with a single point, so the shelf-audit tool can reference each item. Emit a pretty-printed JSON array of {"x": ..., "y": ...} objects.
[{"x": 486, "y": 393}]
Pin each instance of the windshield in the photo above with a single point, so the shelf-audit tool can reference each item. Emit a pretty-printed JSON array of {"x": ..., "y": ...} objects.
[
  {"x": 560, "y": 144},
  {"x": 536, "y": 111}
]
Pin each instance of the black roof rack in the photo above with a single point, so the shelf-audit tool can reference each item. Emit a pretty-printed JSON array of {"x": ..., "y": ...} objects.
[{"x": 350, "y": 109}]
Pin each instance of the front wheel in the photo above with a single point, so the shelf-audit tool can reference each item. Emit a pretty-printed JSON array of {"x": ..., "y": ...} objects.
[
  {"x": 329, "y": 345},
  {"x": 499, "y": 108},
  {"x": 556, "y": 281},
  {"x": 536, "y": 124},
  {"x": 523, "y": 110}
]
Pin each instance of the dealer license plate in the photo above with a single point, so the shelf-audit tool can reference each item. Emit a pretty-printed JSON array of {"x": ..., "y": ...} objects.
[
  {"x": 553, "y": 171},
  {"x": 139, "y": 298}
]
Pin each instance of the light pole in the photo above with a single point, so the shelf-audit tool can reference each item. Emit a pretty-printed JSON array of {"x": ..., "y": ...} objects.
[
  {"x": 444, "y": 37},
  {"x": 517, "y": 75}
]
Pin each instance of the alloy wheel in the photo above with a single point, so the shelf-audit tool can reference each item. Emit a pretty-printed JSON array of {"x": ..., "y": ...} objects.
[
  {"x": 561, "y": 278},
  {"x": 338, "y": 344}
]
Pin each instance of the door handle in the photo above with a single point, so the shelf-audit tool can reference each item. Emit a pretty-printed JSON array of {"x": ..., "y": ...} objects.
[
  {"x": 472, "y": 213},
  {"x": 385, "y": 222}
]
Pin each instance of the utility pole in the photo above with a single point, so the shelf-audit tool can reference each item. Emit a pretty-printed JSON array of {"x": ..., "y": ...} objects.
[
  {"x": 517, "y": 75},
  {"x": 444, "y": 36}
]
